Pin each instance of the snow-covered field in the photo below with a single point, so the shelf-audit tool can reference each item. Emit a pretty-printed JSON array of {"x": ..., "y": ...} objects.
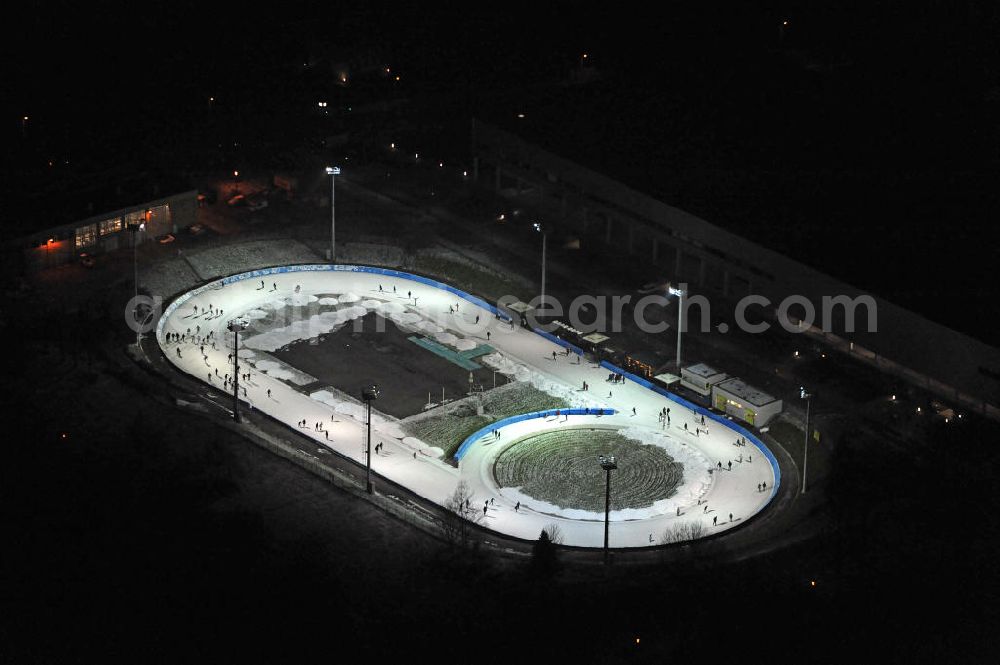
[{"x": 283, "y": 307}]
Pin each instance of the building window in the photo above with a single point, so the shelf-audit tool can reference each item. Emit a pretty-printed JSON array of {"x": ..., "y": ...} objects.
[
  {"x": 110, "y": 226},
  {"x": 135, "y": 217},
  {"x": 86, "y": 235}
]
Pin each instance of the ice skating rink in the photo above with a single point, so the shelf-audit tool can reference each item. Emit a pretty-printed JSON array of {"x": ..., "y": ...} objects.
[{"x": 289, "y": 304}]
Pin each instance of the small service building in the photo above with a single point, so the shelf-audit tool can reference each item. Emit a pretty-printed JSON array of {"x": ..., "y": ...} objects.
[
  {"x": 701, "y": 378},
  {"x": 737, "y": 399}
]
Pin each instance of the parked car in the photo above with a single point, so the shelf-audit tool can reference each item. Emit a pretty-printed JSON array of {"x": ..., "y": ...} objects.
[
  {"x": 257, "y": 203},
  {"x": 237, "y": 200},
  {"x": 207, "y": 197},
  {"x": 165, "y": 238},
  {"x": 196, "y": 229},
  {"x": 87, "y": 261}
]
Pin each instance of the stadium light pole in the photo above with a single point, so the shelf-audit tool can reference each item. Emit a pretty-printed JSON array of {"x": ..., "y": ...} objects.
[
  {"x": 680, "y": 321},
  {"x": 135, "y": 229},
  {"x": 236, "y": 326},
  {"x": 333, "y": 172},
  {"x": 805, "y": 443},
  {"x": 608, "y": 464},
  {"x": 368, "y": 395},
  {"x": 539, "y": 228}
]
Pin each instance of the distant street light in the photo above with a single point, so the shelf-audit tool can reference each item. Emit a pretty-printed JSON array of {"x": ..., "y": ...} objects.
[
  {"x": 680, "y": 321},
  {"x": 368, "y": 395},
  {"x": 805, "y": 445},
  {"x": 609, "y": 464},
  {"x": 539, "y": 228},
  {"x": 333, "y": 172},
  {"x": 135, "y": 229},
  {"x": 236, "y": 326}
]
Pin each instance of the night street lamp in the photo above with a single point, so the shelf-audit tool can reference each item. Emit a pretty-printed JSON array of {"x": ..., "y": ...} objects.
[
  {"x": 333, "y": 172},
  {"x": 680, "y": 320},
  {"x": 540, "y": 229},
  {"x": 805, "y": 444},
  {"x": 609, "y": 464},
  {"x": 236, "y": 326},
  {"x": 135, "y": 229},
  {"x": 368, "y": 395}
]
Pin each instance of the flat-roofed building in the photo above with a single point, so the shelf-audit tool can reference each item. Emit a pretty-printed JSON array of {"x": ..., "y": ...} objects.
[
  {"x": 700, "y": 378},
  {"x": 743, "y": 401}
]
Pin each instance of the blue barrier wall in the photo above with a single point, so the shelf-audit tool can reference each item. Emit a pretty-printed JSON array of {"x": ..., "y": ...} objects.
[
  {"x": 527, "y": 416},
  {"x": 561, "y": 342}
]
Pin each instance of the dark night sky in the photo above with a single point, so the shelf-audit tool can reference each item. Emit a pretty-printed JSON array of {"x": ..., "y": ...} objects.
[{"x": 865, "y": 142}]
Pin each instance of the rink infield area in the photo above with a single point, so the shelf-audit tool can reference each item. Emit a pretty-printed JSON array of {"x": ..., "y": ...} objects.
[{"x": 520, "y": 441}]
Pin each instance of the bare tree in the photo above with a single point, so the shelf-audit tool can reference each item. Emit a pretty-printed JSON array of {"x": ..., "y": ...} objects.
[
  {"x": 685, "y": 531},
  {"x": 555, "y": 533},
  {"x": 460, "y": 515}
]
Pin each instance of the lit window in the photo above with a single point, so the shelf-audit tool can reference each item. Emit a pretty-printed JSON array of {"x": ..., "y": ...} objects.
[
  {"x": 110, "y": 226},
  {"x": 86, "y": 235}
]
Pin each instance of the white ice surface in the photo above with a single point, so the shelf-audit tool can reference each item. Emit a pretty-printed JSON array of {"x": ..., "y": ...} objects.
[{"x": 521, "y": 354}]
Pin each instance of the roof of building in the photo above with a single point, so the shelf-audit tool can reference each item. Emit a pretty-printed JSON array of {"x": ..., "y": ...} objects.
[
  {"x": 64, "y": 202},
  {"x": 703, "y": 370},
  {"x": 745, "y": 392}
]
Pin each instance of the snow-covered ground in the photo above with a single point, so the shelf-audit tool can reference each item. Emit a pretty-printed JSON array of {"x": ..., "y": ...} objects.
[{"x": 316, "y": 302}]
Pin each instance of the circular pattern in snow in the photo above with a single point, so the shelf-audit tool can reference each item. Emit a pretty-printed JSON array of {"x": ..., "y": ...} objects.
[
  {"x": 558, "y": 467},
  {"x": 256, "y": 314},
  {"x": 465, "y": 345},
  {"x": 349, "y": 297},
  {"x": 371, "y": 304},
  {"x": 328, "y": 301}
]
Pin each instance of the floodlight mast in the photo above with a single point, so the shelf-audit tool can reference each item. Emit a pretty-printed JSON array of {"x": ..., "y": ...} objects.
[
  {"x": 236, "y": 326},
  {"x": 609, "y": 464},
  {"x": 368, "y": 395},
  {"x": 333, "y": 172},
  {"x": 680, "y": 321}
]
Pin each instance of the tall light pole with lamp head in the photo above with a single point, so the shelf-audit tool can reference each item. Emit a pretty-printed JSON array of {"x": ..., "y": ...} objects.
[
  {"x": 236, "y": 326},
  {"x": 807, "y": 396},
  {"x": 609, "y": 464},
  {"x": 680, "y": 321},
  {"x": 369, "y": 394},
  {"x": 135, "y": 229},
  {"x": 333, "y": 172},
  {"x": 539, "y": 228}
]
